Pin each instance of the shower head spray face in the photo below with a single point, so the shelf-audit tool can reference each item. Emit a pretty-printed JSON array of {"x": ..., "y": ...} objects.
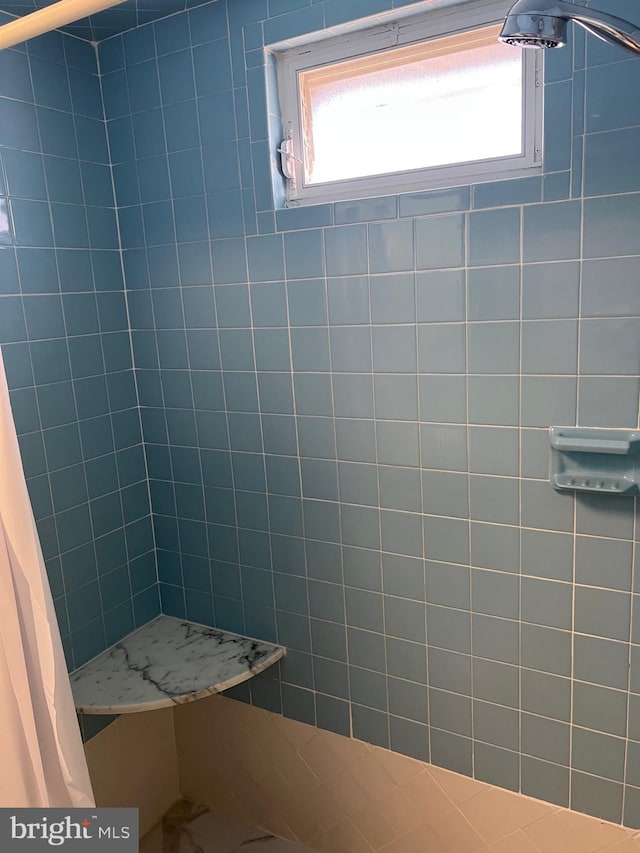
[
  {"x": 536, "y": 31},
  {"x": 543, "y": 24}
]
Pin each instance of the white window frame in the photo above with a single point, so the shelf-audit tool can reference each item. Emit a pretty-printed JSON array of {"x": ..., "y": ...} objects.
[{"x": 401, "y": 31}]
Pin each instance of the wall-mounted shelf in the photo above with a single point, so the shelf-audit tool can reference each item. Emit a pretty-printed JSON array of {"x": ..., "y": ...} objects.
[
  {"x": 606, "y": 461},
  {"x": 168, "y": 662}
]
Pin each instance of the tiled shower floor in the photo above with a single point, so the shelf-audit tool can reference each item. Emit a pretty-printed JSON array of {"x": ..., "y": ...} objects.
[{"x": 187, "y": 828}]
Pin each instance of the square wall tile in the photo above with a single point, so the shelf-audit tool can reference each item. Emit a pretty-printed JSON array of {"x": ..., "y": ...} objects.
[
  {"x": 440, "y": 242},
  {"x": 391, "y": 246},
  {"x": 494, "y": 237}
]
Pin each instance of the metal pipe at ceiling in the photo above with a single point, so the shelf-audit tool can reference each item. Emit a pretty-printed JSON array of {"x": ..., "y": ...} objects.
[{"x": 50, "y": 18}]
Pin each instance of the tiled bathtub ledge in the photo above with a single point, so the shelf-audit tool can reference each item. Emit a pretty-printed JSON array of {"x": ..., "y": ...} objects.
[{"x": 168, "y": 662}]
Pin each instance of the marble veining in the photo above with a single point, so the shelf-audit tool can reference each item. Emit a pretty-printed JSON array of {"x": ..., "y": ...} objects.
[{"x": 168, "y": 662}]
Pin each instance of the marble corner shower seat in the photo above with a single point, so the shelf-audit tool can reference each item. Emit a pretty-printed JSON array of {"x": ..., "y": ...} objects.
[{"x": 168, "y": 662}]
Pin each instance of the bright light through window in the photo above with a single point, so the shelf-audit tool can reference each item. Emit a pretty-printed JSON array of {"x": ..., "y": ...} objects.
[
  {"x": 450, "y": 100},
  {"x": 414, "y": 103}
]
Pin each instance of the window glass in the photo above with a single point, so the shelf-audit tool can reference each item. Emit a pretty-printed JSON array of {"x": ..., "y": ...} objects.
[{"x": 450, "y": 100}]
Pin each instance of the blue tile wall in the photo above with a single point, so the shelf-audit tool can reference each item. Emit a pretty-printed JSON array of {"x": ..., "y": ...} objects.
[
  {"x": 345, "y": 410},
  {"x": 64, "y": 332},
  {"x": 344, "y": 407}
]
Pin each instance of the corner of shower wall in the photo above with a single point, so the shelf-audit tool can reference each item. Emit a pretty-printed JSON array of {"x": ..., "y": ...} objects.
[{"x": 65, "y": 339}]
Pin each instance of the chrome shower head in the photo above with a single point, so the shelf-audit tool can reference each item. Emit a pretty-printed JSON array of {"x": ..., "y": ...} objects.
[
  {"x": 543, "y": 24},
  {"x": 529, "y": 29}
]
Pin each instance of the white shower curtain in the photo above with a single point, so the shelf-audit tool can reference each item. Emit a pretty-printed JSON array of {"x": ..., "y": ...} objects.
[{"x": 43, "y": 762}]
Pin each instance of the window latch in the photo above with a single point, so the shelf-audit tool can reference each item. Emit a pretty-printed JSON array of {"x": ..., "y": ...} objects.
[{"x": 288, "y": 158}]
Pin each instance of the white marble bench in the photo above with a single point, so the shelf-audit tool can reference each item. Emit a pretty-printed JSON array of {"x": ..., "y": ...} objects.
[{"x": 168, "y": 662}]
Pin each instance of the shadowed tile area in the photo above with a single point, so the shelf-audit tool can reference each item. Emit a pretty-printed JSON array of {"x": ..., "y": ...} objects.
[{"x": 189, "y": 828}]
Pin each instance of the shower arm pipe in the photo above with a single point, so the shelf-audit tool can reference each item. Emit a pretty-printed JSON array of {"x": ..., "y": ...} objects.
[
  {"x": 604, "y": 30},
  {"x": 50, "y": 18},
  {"x": 607, "y": 27}
]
